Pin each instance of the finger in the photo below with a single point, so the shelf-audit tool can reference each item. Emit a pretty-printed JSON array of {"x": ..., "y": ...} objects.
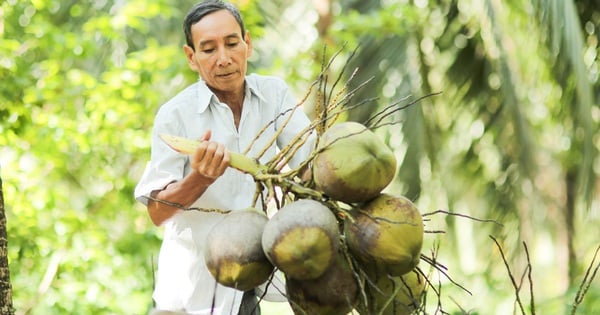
[
  {"x": 224, "y": 162},
  {"x": 201, "y": 149},
  {"x": 210, "y": 152},
  {"x": 218, "y": 155},
  {"x": 218, "y": 162},
  {"x": 199, "y": 155},
  {"x": 210, "y": 157}
]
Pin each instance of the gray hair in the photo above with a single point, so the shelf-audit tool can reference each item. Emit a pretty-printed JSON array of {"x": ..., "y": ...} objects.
[{"x": 202, "y": 9}]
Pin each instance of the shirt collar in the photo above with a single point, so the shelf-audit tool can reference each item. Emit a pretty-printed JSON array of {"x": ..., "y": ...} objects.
[
  {"x": 206, "y": 96},
  {"x": 252, "y": 88}
]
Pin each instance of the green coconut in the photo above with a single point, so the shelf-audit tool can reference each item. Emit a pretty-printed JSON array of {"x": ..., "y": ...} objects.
[
  {"x": 301, "y": 239},
  {"x": 388, "y": 232},
  {"x": 335, "y": 292},
  {"x": 352, "y": 163},
  {"x": 388, "y": 295},
  {"x": 234, "y": 254}
]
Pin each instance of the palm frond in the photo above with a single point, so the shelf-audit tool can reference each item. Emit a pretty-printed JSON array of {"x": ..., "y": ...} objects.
[
  {"x": 559, "y": 18},
  {"x": 512, "y": 101}
]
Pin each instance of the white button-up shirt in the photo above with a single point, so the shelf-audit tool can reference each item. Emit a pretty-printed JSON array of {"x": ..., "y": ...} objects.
[{"x": 183, "y": 282}]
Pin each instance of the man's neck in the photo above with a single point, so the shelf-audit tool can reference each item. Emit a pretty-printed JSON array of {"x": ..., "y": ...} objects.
[{"x": 234, "y": 100}]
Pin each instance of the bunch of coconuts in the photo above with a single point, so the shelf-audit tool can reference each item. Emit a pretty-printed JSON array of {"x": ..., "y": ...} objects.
[{"x": 361, "y": 256}]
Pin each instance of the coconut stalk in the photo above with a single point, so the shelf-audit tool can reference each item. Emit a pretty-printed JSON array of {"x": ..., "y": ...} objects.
[
  {"x": 237, "y": 160},
  {"x": 244, "y": 164}
]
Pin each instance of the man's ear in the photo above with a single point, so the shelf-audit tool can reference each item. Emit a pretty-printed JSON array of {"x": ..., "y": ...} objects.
[
  {"x": 189, "y": 55},
  {"x": 248, "y": 41}
]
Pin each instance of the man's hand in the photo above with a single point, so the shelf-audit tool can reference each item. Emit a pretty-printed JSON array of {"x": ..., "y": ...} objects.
[
  {"x": 211, "y": 159},
  {"x": 208, "y": 162}
]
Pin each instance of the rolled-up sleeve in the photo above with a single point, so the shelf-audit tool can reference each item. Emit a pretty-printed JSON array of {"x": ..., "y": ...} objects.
[{"x": 165, "y": 165}]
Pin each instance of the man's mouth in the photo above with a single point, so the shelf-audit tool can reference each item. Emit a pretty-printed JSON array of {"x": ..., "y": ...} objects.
[{"x": 225, "y": 75}]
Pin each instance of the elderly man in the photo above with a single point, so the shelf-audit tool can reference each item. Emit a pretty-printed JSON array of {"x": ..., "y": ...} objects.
[{"x": 226, "y": 108}]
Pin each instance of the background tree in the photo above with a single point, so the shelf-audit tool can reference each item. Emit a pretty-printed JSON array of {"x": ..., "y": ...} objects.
[{"x": 6, "y": 305}]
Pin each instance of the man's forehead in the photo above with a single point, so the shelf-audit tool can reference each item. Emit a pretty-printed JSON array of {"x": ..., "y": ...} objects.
[{"x": 217, "y": 25}]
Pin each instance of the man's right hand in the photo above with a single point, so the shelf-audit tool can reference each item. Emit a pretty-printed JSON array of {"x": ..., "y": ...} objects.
[{"x": 211, "y": 159}]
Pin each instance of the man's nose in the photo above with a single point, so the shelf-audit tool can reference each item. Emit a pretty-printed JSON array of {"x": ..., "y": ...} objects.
[{"x": 223, "y": 58}]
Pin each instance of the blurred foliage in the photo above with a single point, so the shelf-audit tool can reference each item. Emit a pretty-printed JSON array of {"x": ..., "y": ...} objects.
[
  {"x": 512, "y": 137},
  {"x": 81, "y": 83}
]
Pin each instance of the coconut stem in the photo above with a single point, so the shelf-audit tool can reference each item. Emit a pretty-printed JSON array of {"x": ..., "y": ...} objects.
[
  {"x": 247, "y": 165},
  {"x": 237, "y": 160}
]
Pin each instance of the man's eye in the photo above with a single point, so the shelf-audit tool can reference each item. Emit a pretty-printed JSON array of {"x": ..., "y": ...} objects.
[
  {"x": 208, "y": 51},
  {"x": 232, "y": 44}
]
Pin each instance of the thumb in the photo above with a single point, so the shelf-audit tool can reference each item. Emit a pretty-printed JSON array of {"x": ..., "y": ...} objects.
[{"x": 206, "y": 136}]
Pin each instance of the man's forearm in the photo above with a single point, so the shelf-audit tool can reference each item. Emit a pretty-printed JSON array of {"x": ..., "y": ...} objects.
[{"x": 177, "y": 195}]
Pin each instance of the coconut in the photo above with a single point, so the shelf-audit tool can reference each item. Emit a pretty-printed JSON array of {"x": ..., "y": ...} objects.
[
  {"x": 301, "y": 239},
  {"x": 234, "y": 254},
  {"x": 334, "y": 292},
  {"x": 388, "y": 232},
  {"x": 389, "y": 295},
  {"x": 409, "y": 290},
  {"x": 352, "y": 163}
]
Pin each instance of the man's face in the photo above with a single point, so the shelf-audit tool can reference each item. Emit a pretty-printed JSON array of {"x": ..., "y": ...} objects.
[{"x": 221, "y": 52}]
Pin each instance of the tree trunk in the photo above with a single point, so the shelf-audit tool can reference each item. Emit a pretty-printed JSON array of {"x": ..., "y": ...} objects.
[
  {"x": 570, "y": 224},
  {"x": 6, "y": 306},
  {"x": 323, "y": 8}
]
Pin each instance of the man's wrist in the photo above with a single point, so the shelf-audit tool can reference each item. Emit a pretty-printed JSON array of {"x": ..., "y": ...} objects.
[{"x": 201, "y": 180}]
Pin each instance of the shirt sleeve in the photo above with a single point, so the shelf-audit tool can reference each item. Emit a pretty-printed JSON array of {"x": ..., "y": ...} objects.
[{"x": 165, "y": 165}]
